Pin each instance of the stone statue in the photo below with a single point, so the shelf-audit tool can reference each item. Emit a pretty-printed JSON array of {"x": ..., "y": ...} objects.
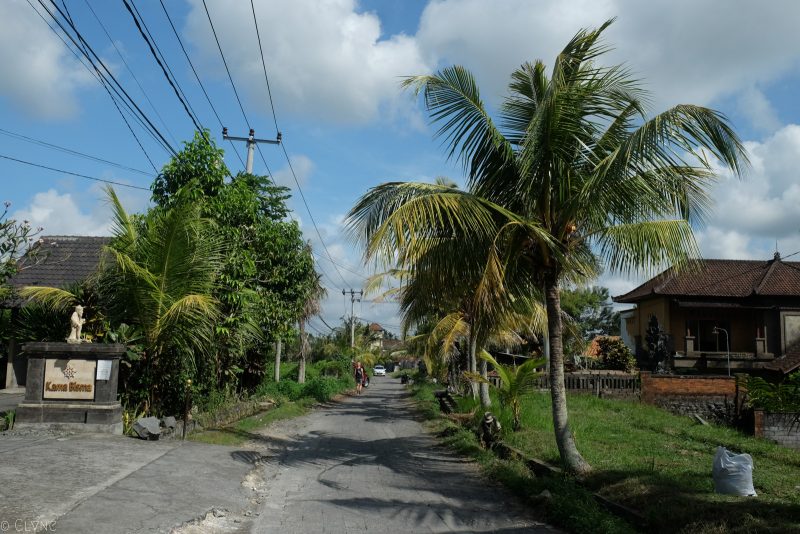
[
  {"x": 490, "y": 430},
  {"x": 76, "y": 324}
]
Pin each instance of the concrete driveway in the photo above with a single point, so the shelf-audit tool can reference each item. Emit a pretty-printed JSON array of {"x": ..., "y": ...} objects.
[{"x": 102, "y": 484}]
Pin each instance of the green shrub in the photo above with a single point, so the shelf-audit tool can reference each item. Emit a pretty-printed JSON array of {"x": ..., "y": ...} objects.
[
  {"x": 781, "y": 397},
  {"x": 323, "y": 388},
  {"x": 338, "y": 367},
  {"x": 614, "y": 354},
  {"x": 288, "y": 389}
]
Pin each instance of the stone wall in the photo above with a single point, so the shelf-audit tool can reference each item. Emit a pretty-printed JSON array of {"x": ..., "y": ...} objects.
[
  {"x": 711, "y": 397},
  {"x": 783, "y": 428}
]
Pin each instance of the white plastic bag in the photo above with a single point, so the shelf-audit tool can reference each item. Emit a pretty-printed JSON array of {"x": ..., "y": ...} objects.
[{"x": 733, "y": 473}]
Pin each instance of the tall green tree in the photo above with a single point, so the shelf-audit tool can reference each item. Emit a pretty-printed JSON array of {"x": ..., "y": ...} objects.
[
  {"x": 267, "y": 267},
  {"x": 575, "y": 175}
]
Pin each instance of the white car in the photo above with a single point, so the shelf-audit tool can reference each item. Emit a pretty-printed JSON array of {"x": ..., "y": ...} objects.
[{"x": 379, "y": 370}]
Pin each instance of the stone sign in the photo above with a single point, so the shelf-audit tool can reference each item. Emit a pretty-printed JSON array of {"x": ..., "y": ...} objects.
[{"x": 69, "y": 379}]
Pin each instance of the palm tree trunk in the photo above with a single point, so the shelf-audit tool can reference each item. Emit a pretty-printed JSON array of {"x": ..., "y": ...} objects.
[
  {"x": 301, "y": 368},
  {"x": 473, "y": 364},
  {"x": 278, "y": 347},
  {"x": 486, "y": 401},
  {"x": 570, "y": 456}
]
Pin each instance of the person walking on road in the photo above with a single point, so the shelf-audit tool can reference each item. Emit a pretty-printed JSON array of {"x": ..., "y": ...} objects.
[{"x": 359, "y": 377}]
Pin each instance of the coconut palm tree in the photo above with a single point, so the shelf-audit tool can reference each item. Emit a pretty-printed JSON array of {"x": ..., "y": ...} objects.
[
  {"x": 574, "y": 176},
  {"x": 311, "y": 307}
]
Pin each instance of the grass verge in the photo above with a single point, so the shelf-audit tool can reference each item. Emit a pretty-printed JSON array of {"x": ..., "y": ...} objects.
[
  {"x": 244, "y": 429},
  {"x": 569, "y": 506},
  {"x": 644, "y": 458}
]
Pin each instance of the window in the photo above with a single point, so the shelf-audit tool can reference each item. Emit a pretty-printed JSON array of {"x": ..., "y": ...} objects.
[{"x": 705, "y": 340}]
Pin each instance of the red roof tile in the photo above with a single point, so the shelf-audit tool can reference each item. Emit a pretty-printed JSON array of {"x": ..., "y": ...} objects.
[{"x": 723, "y": 278}]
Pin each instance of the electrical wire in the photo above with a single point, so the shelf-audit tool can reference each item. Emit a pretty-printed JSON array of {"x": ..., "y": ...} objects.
[
  {"x": 197, "y": 77},
  {"x": 70, "y": 151},
  {"x": 343, "y": 267},
  {"x": 224, "y": 62},
  {"x": 139, "y": 26},
  {"x": 117, "y": 87},
  {"x": 233, "y": 85},
  {"x": 308, "y": 209},
  {"x": 32, "y": 164},
  {"x": 94, "y": 72},
  {"x": 264, "y": 64},
  {"x": 283, "y": 147},
  {"x": 130, "y": 71}
]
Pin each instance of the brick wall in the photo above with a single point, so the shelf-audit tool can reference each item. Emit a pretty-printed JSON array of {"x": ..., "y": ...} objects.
[
  {"x": 712, "y": 397},
  {"x": 783, "y": 428}
]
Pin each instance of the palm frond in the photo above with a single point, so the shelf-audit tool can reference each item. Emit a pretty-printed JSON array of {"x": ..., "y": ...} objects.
[{"x": 54, "y": 298}]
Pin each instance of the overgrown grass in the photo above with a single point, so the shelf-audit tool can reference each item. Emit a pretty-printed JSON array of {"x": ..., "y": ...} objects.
[
  {"x": 660, "y": 464},
  {"x": 649, "y": 460},
  {"x": 570, "y": 506},
  {"x": 245, "y": 429},
  {"x": 325, "y": 380}
]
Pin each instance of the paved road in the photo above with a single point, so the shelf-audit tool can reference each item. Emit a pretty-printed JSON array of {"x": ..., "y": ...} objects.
[{"x": 366, "y": 465}]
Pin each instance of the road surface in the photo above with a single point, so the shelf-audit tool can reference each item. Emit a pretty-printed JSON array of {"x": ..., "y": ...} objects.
[{"x": 366, "y": 465}]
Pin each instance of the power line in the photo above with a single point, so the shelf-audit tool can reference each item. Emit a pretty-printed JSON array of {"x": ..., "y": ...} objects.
[
  {"x": 264, "y": 64},
  {"x": 133, "y": 75},
  {"x": 72, "y": 173},
  {"x": 313, "y": 222},
  {"x": 94, "y": 73},
  {"x": 233, "y": 85},
  {"x": 117, "y": 87},
  {"x": 283, "y": 147},
  {"x": 325, "y": 323},
  {"x": 224, "y": 62},
  {"x": 197, "y": 77},
  {"x": 345, "y": 268},
  {"x": 155, "y": 55},
  {"x": 70, "y": 151}
]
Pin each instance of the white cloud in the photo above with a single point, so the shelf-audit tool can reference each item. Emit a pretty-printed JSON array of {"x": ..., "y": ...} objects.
[
  {"x": 765, "y": 203},
  {"x": 59, "y": 214},
  {"x": 684, "y": 51},
  {"x": 325, "y": 60},
  {"x": 754, "y": 105},
  {"x": 328, "y": 61},
  {"x": 39, "y": 73},
  {"x": 303, "y": 169}
]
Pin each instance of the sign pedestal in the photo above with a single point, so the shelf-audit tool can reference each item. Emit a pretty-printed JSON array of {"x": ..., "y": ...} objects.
[{"x": 72, "y": 386}]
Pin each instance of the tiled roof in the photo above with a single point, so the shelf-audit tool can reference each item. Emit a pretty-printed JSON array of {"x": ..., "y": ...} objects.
[
  {"x": 723, "y": 278},
  {"x": 788, "y": 362},
  {"x": 375, "y": 327},
  {"x": 60, "y": 261}
]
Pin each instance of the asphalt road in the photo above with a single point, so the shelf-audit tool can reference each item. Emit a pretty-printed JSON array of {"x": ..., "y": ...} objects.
[{"x": 366, "y": 465}]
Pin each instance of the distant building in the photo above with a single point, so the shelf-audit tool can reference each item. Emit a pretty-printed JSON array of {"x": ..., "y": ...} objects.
[
  {"x": 54, "y": 261},
  {"x": 749, "y": 309},
  {"x": 376, "y": 336}
]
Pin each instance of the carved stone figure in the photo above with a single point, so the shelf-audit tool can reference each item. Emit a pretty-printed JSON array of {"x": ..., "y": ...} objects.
[
  {"x": 490, "y": 430},
  {"x": 76, "y": 324}
]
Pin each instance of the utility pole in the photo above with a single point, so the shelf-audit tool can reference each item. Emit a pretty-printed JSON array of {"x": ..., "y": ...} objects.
[
  {"x": 353, "y": 301},
  {"x": 251, "y": 144},
  {"x": 251, "y": 148}
]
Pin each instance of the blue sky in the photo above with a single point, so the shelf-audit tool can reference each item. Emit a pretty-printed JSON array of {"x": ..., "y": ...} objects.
[{"x": 334, "y": 69}]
